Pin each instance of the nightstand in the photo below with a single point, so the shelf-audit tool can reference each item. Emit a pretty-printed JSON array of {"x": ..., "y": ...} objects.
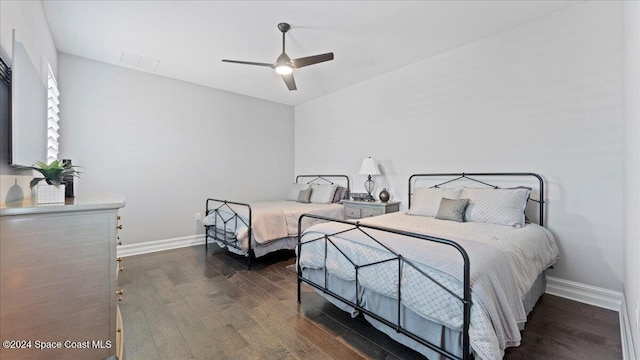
[{"x": 363, "y": 209}]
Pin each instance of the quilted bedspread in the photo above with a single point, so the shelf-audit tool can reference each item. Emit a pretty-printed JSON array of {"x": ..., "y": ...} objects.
[{"x": 505, "y": 262}]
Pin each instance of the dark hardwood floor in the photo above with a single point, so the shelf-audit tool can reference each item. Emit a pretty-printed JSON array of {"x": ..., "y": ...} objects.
[{"x": 188, "y": 304}]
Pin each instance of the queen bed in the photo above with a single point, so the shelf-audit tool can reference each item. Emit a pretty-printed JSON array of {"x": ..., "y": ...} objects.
[
  {"x": 453, "y": 277},
  {"x": 258, "y": 228}
]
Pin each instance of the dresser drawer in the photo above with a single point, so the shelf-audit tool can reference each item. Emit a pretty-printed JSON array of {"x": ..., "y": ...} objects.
[
  {"x": 362, "y": 209},
  {"x": 371, "y": 212},
  {"x": 351, "y": 212}
]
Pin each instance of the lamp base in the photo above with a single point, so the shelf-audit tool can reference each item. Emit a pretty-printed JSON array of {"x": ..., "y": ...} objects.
[{"x": 368, "y": 185}]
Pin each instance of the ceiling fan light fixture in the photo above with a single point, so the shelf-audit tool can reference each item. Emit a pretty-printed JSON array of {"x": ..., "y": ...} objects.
[
  {"x": 284, "y": 69},
  {"x": 284, "y": 65}
]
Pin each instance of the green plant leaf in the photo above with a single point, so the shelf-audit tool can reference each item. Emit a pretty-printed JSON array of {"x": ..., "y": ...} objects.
[
  {"x": 53, "y": 173},
  {"x": 35, "y": 181}
]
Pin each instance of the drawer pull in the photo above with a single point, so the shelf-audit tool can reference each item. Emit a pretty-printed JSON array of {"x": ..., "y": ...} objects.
[
  {"x": 118, "y": 330},
  {"x": 119, "y": 292},
  {"x": 121, "y": 268},
  {"x": 119, "y": 259},
  {"x": 119, "y": 217},
  {"x": 119, "y": 242},
  {"x": 119, "y": 227}
]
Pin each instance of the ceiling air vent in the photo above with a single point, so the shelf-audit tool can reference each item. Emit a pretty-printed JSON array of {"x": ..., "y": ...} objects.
[{"x": 135, "y": 60}]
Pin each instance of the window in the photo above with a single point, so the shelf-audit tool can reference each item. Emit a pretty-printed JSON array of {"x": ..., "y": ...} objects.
[{"x": 52, "y": 117}]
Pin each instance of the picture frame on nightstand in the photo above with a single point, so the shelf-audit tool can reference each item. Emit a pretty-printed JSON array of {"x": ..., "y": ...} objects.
[{"x": 360, "y": 196}]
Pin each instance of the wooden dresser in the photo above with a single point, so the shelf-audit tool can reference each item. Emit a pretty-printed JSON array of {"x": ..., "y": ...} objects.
[{"x": 58, "y": 279}]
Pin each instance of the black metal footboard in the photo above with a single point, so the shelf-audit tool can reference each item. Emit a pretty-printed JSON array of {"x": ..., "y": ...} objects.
[
  {"x": 465, "y": 300},
  {"x": 216, "y": 206}
]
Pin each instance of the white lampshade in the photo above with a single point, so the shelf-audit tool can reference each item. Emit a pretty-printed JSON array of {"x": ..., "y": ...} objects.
[{"x": 369, "y": 167}]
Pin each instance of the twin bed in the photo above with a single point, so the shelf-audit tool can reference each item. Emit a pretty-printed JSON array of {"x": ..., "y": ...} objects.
[
  {"x": 454, "y": 277},
  {"x": 258, "y": 228}
]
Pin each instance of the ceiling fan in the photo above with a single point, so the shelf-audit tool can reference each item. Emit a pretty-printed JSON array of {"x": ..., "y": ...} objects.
[{"x": 284, "y": 65}]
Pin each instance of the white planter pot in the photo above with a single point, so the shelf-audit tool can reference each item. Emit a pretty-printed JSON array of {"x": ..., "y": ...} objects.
[{"x": 49, "y": 194}]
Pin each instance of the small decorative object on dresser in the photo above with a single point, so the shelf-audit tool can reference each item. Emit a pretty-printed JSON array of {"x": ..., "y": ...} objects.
[
  {"x": 384, "y": 195},
  {"x": 54, "y": 175},
  {"x": 365, "y": 209},
  {"x": 68, "y": 181},
  {"x": 49, "y": 194},
  {"x": 359, "y": 196}
]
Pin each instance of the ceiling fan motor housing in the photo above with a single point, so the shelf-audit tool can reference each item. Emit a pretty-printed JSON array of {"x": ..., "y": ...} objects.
[{"x": 284, "y": 27}]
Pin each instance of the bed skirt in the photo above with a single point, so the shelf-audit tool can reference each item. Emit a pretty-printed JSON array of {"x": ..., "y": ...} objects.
[
  {"x": 287, "y": 243},
  {"x": 386, "y": 307}
]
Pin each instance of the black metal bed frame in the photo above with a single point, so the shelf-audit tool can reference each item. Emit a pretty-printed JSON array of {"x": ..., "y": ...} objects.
[
  {"x": 465, "y": 299},
  {"x": 235, "y": 217}
]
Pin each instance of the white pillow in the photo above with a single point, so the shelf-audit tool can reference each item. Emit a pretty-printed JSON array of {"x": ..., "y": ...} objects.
[
  {"x": 426, "y": 201},
  {"x": 496, "y": 206},
  {"x": 322, "y": 194},
  {"x": 295, "y": 191}
]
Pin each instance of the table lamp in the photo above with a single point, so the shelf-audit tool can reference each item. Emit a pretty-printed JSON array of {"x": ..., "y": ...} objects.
[{"x": 369, "y": 167}]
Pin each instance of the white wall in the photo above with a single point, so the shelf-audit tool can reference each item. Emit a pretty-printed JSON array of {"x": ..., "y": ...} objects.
[
  {"x": 632, "y": 165},
  {"x": 167, "y": 145},
  {"x": 544, "y": 97},
  {"x": 29, "y": 19}
]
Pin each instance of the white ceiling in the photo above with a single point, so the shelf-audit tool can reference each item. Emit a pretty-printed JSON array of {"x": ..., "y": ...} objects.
[{"x": 368, "y": 38}]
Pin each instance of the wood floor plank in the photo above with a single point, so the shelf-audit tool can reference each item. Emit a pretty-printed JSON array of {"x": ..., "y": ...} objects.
[
  {"x": 167, "y": 337},
  {"x": 205, "y": 345},
  {"x": 263, "y": 341},
  {"x": 295, "y": 343},
  {"x": 323, "y": 340},
  {"x": 139, "y": 339},
  {"x": 164, "y": 287}
]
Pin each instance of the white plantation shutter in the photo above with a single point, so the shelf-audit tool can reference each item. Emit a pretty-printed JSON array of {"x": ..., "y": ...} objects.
[{"x": 52, "y": 118}]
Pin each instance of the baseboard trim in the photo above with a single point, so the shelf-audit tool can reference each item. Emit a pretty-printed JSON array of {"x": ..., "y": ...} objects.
[
  {"x": 600, "y": 297},
  {"x": 592, "y": 295},
  {"x": 159, "y": 245},
  {"x": 628, "y": 352}
]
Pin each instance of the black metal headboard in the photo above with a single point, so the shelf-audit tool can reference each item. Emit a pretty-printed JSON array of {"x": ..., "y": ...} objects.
[
  {"x": 325, "y": 178},
  {"x": 471, "y": 177}
]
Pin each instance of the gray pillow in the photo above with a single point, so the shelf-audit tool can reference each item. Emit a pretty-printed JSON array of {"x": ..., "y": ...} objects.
[
  {"x": 452, "y": 209},
  {"x": 340, "y": 194},
  {"x": 304, "y": 196}
]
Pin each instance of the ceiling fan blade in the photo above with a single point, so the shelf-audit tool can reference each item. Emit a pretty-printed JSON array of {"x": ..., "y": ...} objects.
[
  {"x": 248, "y": 63},
  {"x": 291, "y": 83},
  {"x": 310, "y": 60}
]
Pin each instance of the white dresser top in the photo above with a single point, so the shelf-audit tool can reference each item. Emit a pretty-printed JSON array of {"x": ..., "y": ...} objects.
[{"x": 78, "y": 203}]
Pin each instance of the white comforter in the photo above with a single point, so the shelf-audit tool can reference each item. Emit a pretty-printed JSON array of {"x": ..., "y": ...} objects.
[
  {"x": 270, "y": 220},
  {"x": 505, "y": 262}
]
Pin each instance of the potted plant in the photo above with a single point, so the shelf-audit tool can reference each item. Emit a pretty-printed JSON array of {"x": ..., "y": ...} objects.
[{"x": 53, "y": 174}]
